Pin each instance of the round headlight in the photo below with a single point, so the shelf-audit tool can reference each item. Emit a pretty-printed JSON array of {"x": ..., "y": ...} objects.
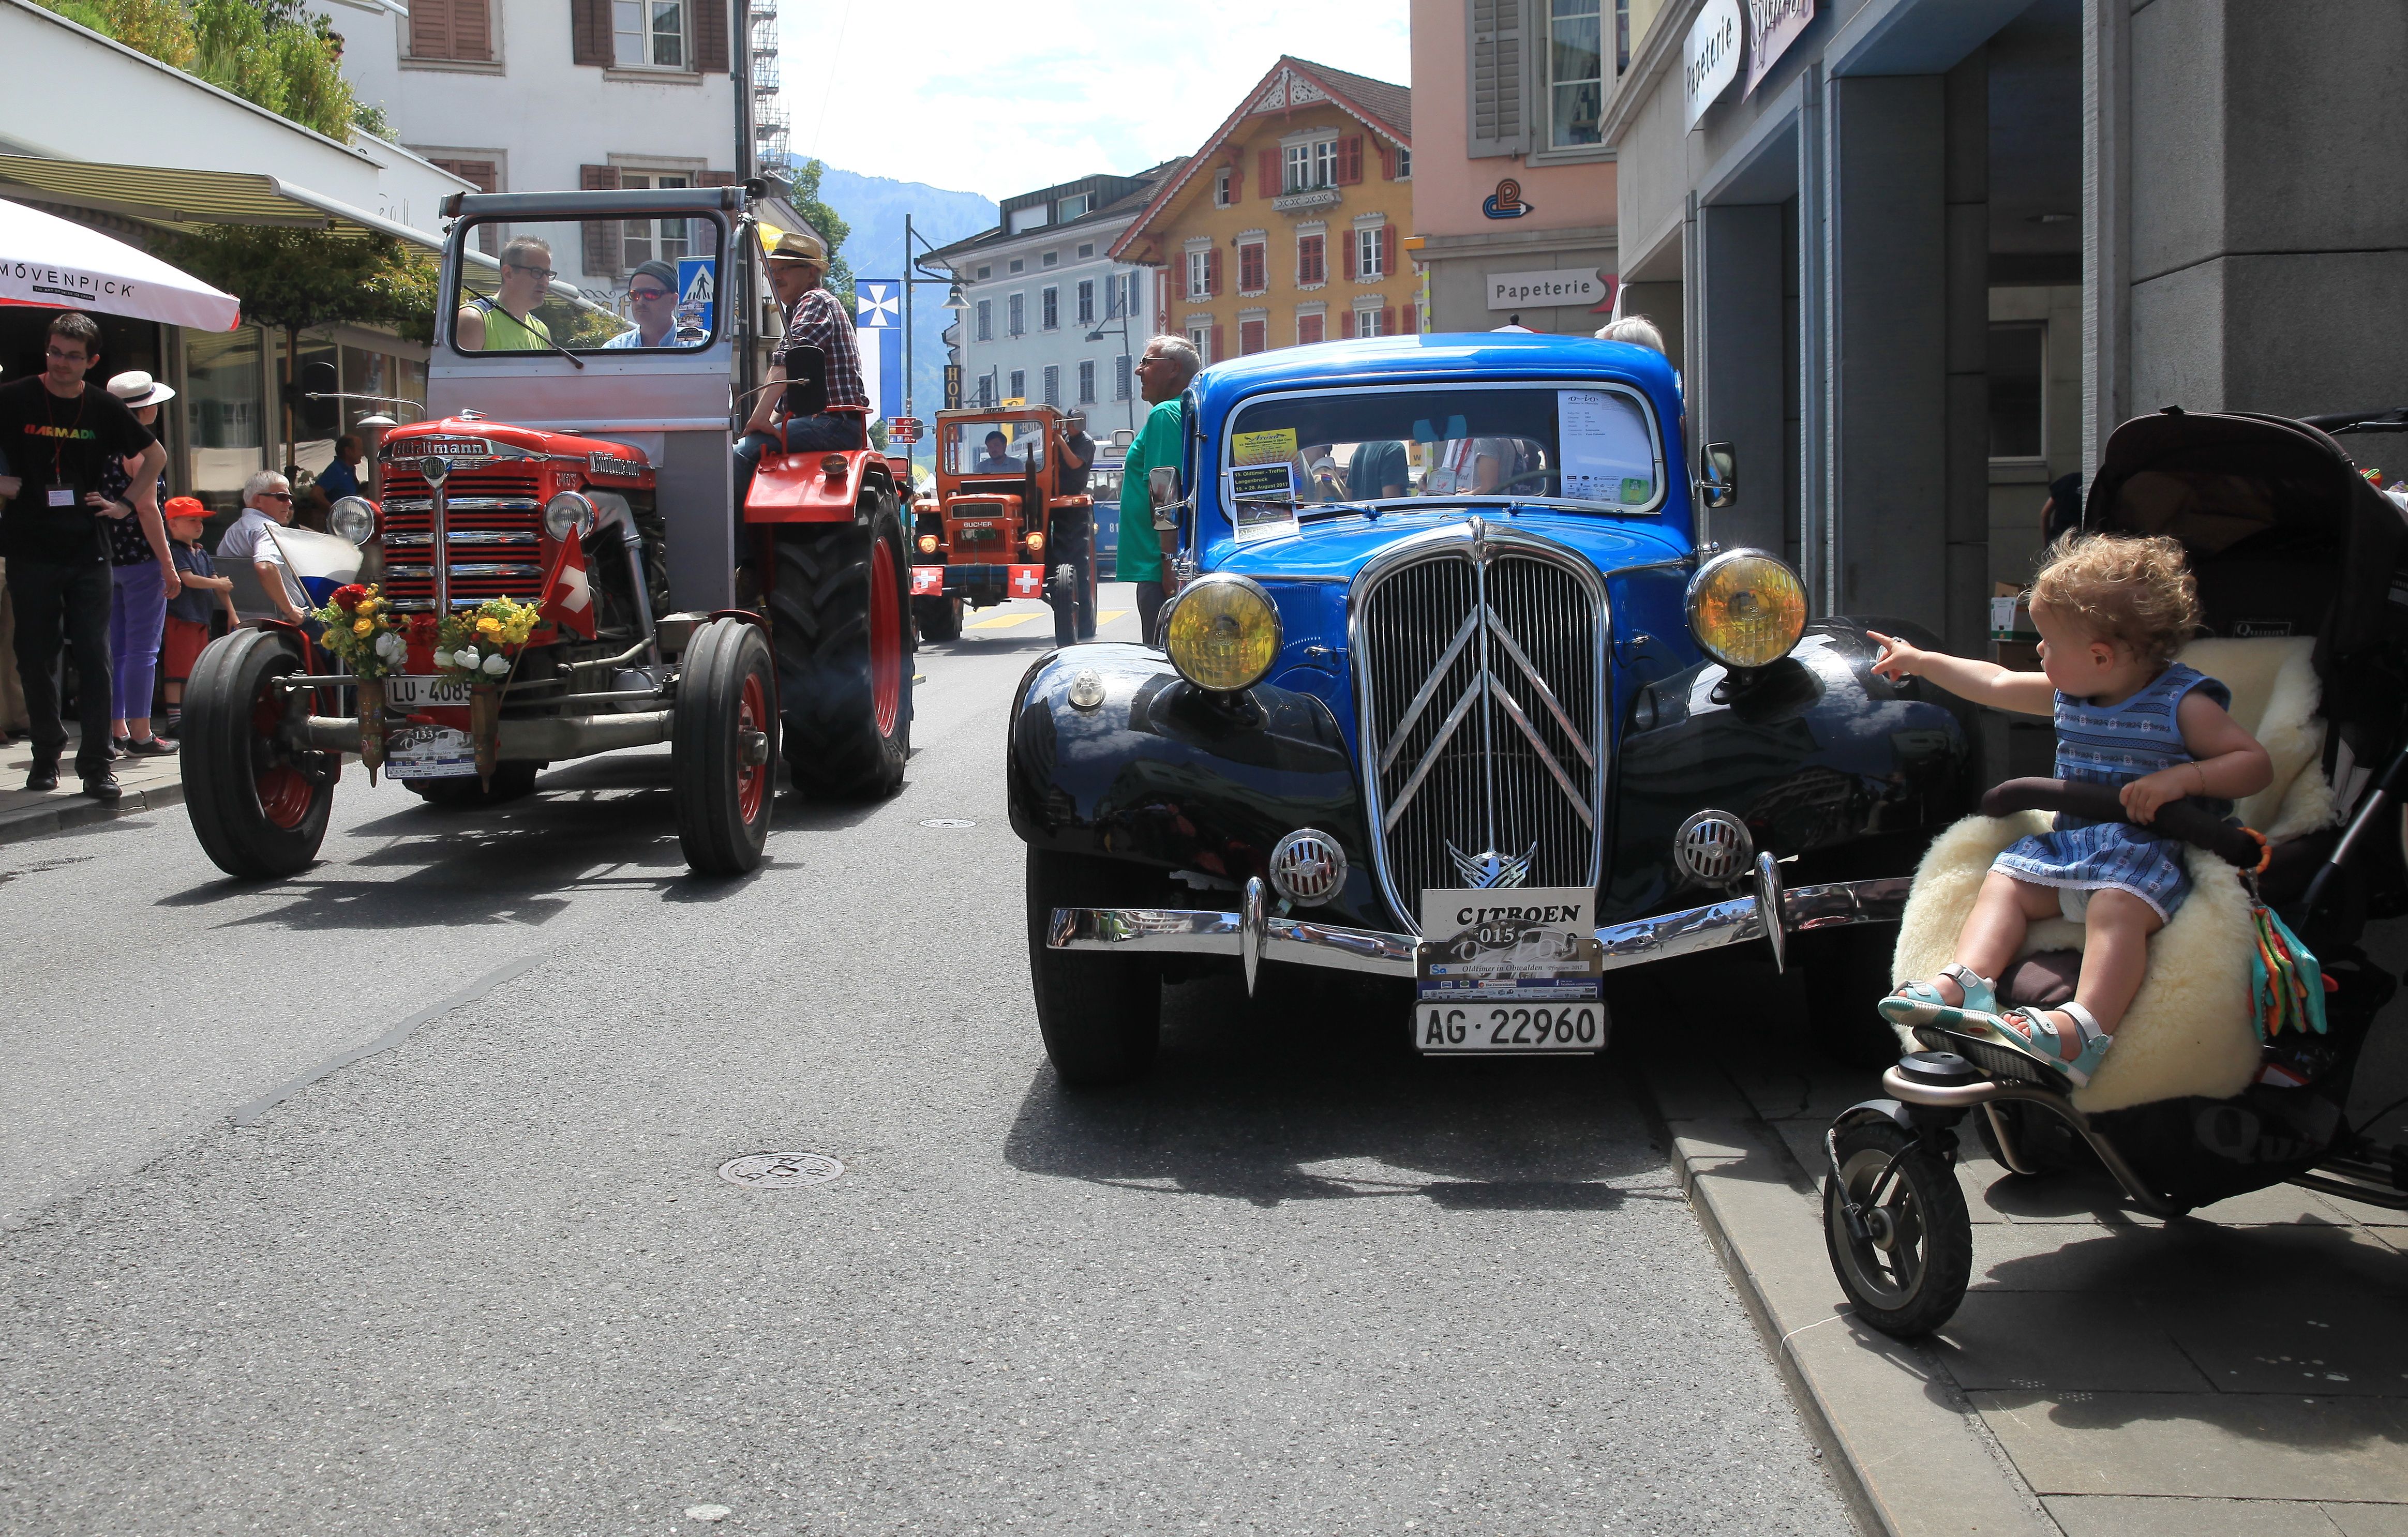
[
  {"x": 927, "y": 543},
  {"x": 353, "y": 518},
  {"x": 1223, "y": 632},
  {"x": 568, "y": 514},
  {"x": 1746, "y": 608}
]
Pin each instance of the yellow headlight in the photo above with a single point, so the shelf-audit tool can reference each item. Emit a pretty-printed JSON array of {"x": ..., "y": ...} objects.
[
  {"x": 927, "y": 543},
  {"x": 1223, "y": 633},
  {"x": 1746, "y": 608}
]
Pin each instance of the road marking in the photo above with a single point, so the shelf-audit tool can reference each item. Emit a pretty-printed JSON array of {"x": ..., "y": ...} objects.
[
  {"x": 1005, "y": 622},
  {"x": 1109, "y": 615}
]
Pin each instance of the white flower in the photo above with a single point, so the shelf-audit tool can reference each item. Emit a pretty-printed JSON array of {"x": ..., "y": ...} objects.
[
  {"x": 497, "y": 664},
  {"x": 465, "y": 658},
  {"x": 392, "y": 648}
]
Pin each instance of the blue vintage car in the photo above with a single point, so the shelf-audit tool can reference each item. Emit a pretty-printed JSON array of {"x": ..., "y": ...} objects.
[{"x": 1445, "y": 637}]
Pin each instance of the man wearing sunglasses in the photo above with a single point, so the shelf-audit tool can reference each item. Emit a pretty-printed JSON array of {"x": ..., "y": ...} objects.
[
  {"x": 506, "y": 323},
  {"x": 652, "y": 304},
  {"x": 266, "y": 506}
]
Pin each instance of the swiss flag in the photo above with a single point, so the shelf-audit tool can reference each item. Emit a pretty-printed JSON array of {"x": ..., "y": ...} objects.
[
  {"x": 927, "y": 580},
  {"x": 568, "y": 600},
  {"x": 1027, "y": 581}
]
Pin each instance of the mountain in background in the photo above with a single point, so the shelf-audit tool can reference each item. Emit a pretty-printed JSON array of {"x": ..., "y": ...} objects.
[{"x": 875, "y": 207}]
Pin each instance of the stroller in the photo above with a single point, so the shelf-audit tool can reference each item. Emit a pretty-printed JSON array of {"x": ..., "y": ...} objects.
[{"x": 2302, "y": 571}]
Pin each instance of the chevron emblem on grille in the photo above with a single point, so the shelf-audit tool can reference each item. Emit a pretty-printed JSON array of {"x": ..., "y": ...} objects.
[
  {"x": 1492, "y": 871},
  {"x": 1485, "y": 684}
]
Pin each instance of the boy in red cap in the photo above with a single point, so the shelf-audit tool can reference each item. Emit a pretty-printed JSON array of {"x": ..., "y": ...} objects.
[{"x": 188, "y": 611}]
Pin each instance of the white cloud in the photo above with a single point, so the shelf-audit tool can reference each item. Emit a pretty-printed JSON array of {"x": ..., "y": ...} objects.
[{"x": 1005, "y": 100}]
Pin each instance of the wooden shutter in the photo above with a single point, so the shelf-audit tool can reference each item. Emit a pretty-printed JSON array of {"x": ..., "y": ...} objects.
[
  {"x": 1387, "y": 163},
  {"x": 1388, "y": 320},
  {"x": 1387, "y": 250},
  {"x": 602, "y": 247},
  {"x": 430, "y": 30},
  {"x": 1268, "y": 163},
  {"x": 1250, "y": 337},
  {"x": 472, "y": 30},
  {"x": 710, "y": 36},
  {"x": 1218, "y": 353},
  {"x": 1349, "y": 160},
  {"x": 1308, "y": 329},
  {"x": 1346, "y": 323},
  {"x": 589, "y": 32},
  {"x": 1498, "y": 125},
  {"x": 1237, "y": 182},
  {"x": 1212, "y": 273}
]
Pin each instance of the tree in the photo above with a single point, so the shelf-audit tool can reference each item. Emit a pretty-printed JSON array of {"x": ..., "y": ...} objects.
[
  {"x": 296, "y": 280},
  {"x": 829, "y": 224},
  {"x": 271, "y": 53}
]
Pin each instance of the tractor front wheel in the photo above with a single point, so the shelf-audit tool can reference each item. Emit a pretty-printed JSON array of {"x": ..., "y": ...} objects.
[
  {"x": 724, "y": 748},
  {"x": 259, "y": 809},
  {"x": 940, "y": 619},
  {"x": 839, "y": 612}
]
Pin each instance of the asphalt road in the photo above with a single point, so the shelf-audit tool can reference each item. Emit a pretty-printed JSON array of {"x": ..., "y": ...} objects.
[{"x": 484, "y": 1277}]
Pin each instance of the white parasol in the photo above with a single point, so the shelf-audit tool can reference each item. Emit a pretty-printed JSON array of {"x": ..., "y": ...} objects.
[{"x": 50, "y": 263}]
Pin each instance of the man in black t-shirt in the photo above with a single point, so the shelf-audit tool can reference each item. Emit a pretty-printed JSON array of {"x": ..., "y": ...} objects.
[{"x": 58, "y": 434}]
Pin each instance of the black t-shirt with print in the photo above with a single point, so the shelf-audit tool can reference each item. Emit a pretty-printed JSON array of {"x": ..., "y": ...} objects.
[{"x": 55, "y": 445}]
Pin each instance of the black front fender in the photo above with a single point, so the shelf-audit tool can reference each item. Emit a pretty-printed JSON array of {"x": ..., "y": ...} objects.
[{"x": 1162, "y": 773}]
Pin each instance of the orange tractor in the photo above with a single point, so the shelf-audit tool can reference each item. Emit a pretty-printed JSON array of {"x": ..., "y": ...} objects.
[{"x": 1001, "y": 525}]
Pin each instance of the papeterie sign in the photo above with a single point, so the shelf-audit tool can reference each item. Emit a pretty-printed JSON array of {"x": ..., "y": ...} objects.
[
  {"x": 1713, "y": 57},
  {"x": 1542, "y": 290},
  {"x": 1772, "y": 26}
]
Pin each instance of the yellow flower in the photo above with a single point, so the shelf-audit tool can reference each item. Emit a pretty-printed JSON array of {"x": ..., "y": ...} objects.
[
  {"x": 361, "y": 627},
  {"x": 489, "y": 627}
]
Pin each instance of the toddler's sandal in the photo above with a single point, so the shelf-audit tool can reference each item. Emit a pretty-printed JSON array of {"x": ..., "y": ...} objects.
[
  {"x": 1916, "y": 1005},
  {"x": 2033, "y": 1034}
]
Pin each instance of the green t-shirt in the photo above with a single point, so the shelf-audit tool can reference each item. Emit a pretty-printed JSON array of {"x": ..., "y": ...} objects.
[
  {"x": 505, "y": 333},
  {"x": 1157, "y": 442}
]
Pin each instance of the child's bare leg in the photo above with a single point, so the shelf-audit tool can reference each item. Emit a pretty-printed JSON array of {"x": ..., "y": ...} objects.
[
  {"x": 1994, "y": 931},
  {"x": 2114, "y": 954}
]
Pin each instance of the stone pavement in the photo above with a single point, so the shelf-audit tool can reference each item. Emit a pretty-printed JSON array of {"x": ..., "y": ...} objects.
[
  {"x": 150, "y": 783},
  {"x": 2242, "y": 1369}
]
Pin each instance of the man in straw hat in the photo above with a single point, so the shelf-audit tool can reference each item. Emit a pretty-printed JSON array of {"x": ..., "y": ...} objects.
[{"x": 797, "y": 262}]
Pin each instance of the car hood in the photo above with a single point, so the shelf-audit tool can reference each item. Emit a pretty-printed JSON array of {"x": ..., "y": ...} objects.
[{"x": 1334, "y": 550}]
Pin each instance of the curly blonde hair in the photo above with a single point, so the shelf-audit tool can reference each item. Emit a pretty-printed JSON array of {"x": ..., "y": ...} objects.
[{"x": 2129, "y": 590}]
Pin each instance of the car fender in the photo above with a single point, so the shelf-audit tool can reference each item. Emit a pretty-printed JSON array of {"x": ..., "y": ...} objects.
[{"x": 1162, "y": 773}]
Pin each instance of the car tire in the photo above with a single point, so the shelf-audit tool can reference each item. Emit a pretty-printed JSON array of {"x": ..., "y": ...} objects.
[
  {"x": 839, "y": 616},
  {"x": 724, "y": 748},
  {"x": 260, "y": 813},
  {"x": 1100, "y": 1015},
  {"x": 1847, "y": 972},
  {"x": 512, "y": 782}
]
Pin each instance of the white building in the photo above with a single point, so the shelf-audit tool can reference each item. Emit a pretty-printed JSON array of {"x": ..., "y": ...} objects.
[
  {"x": 531, "y": 95},
  {"x": 1038, "y": 285}
]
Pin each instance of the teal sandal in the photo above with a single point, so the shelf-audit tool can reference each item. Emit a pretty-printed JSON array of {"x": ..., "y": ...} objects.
[
  {"x": 2031, "y": 1031},
  {"x": 1917, "y": 1004}
]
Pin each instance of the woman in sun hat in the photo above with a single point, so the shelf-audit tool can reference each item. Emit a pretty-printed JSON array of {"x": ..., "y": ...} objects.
[{"x": 142, "y": 577}]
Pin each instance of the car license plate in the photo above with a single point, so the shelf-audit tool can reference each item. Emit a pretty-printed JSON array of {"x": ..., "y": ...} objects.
[
  {"x": 429, "y": 752},
  {"x": 411, "y": 692},
  {"x": 1508, "y": 971}
]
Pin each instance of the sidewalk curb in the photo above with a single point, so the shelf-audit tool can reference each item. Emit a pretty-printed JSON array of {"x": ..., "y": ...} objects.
[
  {"x": 1910, "y": 1456},
  {"x": 74, "y": 811}
]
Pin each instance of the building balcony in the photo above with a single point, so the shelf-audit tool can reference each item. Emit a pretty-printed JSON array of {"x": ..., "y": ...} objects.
[{"x": 1307, "y": 200}]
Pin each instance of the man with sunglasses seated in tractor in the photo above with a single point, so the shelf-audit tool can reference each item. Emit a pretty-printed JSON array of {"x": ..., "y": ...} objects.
[
  {"x": 506, "y": 323},
  {"x": 652, "y": 304},
  {"x": 815, "y": 322}
]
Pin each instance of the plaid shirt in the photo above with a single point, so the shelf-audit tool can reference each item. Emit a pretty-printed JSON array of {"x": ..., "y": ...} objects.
[{"x": 819, "y": 321}]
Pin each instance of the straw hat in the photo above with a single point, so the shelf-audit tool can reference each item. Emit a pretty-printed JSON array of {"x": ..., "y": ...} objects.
[{"x": 136, "y": 388}]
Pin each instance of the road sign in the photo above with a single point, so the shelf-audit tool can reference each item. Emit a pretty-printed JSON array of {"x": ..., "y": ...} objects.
[{"x": 903, "y": 429}]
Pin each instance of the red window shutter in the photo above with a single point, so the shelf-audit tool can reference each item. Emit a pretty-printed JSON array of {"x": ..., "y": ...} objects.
[
  {"x": 1388, "y": 320},
  {"x": 430, "y": 30},
  {"x": 1308, "y": 330},
  {"x": 1349, "y": 160},
  {"x": 589, "y": 32},
  {"x": 1387, "y": 163},
  {"x": 1346, "y": 322},
  {"x": 1251, "y": 339},
  {"x": 1218, "y": 353},
  {"x": 1212, "y": 273},
  {"x": 710, "y": 36},
  {"x": 1387, "y": 250},
  {"x": 1237, "y": 182},
  {"x": 602, "y": 250},
  {"x": 1268, "y": 162}
]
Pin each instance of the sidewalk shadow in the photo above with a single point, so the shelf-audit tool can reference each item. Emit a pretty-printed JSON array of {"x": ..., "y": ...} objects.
[{"x": 1312, "y": 1092}]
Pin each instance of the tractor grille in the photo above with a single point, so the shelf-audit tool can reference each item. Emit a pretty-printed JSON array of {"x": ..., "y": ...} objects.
[
  {"x": 1480, "y": 675},
  {"x": 493, "y": 517}
]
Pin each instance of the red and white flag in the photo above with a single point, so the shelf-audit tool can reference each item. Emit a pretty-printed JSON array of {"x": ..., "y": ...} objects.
[
  {"x": 927, "y": 580},
  {"x": 1027, "y": 581},
  {"x": 568, "y": 600}
]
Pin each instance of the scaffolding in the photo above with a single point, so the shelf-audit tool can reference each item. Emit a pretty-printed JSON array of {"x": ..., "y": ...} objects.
[{"x": 768, "y": 111}]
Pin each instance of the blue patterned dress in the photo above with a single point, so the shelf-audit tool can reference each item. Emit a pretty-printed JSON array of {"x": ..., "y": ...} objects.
[{"x": 2114, "y": 745}]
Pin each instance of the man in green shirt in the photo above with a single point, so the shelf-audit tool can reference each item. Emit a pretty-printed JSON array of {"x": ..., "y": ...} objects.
[
  {"x": 1161, "y": 373},
  {"x": 506, "y": 323}
]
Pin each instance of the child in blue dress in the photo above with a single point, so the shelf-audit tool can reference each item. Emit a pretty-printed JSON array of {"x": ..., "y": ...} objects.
[{"x": 2111, "y": 613}]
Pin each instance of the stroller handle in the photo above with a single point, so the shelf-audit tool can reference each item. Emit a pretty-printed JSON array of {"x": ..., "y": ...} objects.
[{"x": 2186, "y": 819}]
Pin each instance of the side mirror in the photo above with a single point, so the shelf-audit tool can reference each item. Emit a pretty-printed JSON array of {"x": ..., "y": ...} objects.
[
  {"x": 1718, "y": 475},
  {"x": 1162, "y": 485}
]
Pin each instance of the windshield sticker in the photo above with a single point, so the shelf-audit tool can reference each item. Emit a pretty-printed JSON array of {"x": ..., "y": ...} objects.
[
  {"x": 1262, "y": 448},
  {"x": 1262, "y": 499},
  {"x": 1607, "y": 454}
]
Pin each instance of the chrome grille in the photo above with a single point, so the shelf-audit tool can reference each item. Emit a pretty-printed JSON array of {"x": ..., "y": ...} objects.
[
  {"x": 494, "y": 529},
  {"x": 1480, "y": 679}
]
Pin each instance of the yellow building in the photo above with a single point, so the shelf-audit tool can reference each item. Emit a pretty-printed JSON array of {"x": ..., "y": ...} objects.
[{"x": 1288, "y": 227}]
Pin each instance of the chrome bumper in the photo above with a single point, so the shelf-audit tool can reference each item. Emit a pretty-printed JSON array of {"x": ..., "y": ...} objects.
[{"x": 1255, "y": 934}]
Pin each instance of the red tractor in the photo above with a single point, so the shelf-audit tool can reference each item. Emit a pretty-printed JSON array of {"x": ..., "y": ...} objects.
[
  {"x": 553, "y": 567},
  {"x": 1001, "y": 527}
]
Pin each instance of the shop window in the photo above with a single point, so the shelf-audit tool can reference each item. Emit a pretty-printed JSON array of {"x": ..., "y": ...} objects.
[
  {"x": 2018, "y": 364},
  {"x": 223, "y": 383},
  {"x": 1575, "y": 73}
]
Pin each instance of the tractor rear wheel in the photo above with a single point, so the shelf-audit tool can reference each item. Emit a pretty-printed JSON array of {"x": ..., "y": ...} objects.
[
  {"x": 843, "y": 632},
  {"x": 259, "y": 810},
  {"x": 724, "y": 748}
]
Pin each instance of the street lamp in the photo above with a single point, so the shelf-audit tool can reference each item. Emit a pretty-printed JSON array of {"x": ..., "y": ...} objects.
[
  {"x": 1117, "y": 310},
  {"x": 912, "y": 279}
]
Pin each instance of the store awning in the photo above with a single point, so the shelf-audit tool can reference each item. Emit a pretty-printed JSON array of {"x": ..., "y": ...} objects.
[
  {"x": 179, "y": 199},
  {"x": 55, "y": 263}
]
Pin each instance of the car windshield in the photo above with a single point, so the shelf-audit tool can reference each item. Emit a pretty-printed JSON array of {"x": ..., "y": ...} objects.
[
  {"x": 993, "y": 447},
  {"x": 1591, "y": 445},
  {"x": 587, "y": 285}
]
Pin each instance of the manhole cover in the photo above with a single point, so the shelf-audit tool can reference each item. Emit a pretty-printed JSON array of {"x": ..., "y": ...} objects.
[
  {"x": 780, "y": 1170},
  {"x": 947, "y": 821}
]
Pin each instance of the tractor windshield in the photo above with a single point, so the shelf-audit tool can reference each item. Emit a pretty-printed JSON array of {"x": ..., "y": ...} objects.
[
  {"x": 993, "y": 447},
  {"x": 640, "y": 285}
]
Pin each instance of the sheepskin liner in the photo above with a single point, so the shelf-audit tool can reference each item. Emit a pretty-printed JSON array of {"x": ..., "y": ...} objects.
[
  {"x": 2188, "y": 1033},
  {"x": 2274, "y": 699}
]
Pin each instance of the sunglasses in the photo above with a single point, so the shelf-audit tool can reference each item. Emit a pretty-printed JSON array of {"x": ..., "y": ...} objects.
[
  {"x": 648, "y": 293},
  {"x": 276, "y": 496},
  {"x": 547, "y": 274}
]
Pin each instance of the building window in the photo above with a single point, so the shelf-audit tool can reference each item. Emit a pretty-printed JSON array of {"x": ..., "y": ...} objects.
[
  {"x": 1016, "y": 265},
  {"x": 1086, "y": 252},
  {"x": 1019, "y": 385},
  {"x": 986, "y": 273},
  {"x": 1016, "y": 311},
  {"x": 1088, "y": 302},
  {"x": 1199, "y": 273},
  {"x": 644, "y": 240},
  {"x": 1621, "y": 36},
  {"x": 1370, "y": 323},
  {"x": 1052, "y": 384},
  {"x": 1310, "y": 264},
  {"x": 1220, "y": 198},
  {"x": 645, "y": 33},
  {"x": 986, "y": 392},
  {"x": 1309, "y": 328},
  {"x": 1252, "y": 336},
  {"x": 1129, "y": 295},
  {"x": 1371, "y": 254},
  {"x": 1073, "y": 206},
  {"x": 1050, "y": 309},
  {"x": 2018, "y": 361},
  {"x": 1253, "y": 267},
  {"x": 1032, "y": 217},
  {"x": 1123, "y": 371},
  {"x": 452, "y": 29},
  {"x": 1311, "y": 165},
  {"x": 986, "y": 319},
  {"x": 1576, "y": 86},
  {"x": 1051, "y": 257},
  {"x": 1087, "y": 381},
  {"x": 1404, "y": 164},
  {"x": 1199, "y": 337}
]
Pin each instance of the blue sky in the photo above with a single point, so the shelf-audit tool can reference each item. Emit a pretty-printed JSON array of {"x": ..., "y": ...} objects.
[{"x": 1003, "y": 99}]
